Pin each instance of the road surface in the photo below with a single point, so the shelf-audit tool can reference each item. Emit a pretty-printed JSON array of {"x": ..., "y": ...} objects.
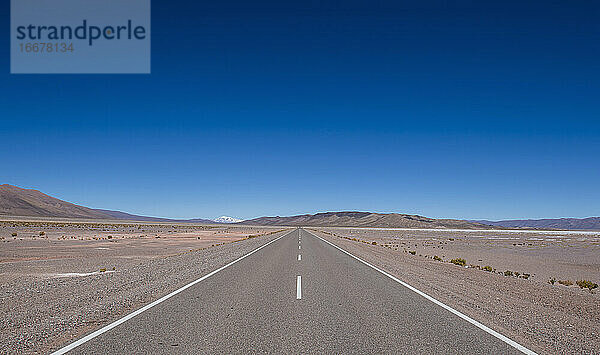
[{"x": 297, "y": 294}]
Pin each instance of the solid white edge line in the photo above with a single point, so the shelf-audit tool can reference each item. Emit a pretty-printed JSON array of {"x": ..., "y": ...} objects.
[
  {"x": 490, "y": 331},
  {"x": 158, "y": 301},
  {"x": 299, "y": 287}
]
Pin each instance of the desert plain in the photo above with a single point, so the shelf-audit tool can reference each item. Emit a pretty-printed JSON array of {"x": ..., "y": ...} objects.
[
  {"x": 62, "y": 279},
  {"x": 539, "y": 255},
  {"x": 45, "y": 249}
]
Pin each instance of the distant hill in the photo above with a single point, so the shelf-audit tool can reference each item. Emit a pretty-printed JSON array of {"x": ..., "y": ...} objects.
[
  {"x": 590, "y": 223},
  {"x": 16, "y": 201},
  {"x": 365, "y": 219},
  {"x": 133, "y": 217}
]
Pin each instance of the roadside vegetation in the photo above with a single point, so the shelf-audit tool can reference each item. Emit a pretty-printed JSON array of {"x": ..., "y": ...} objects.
[
  {"x": 459, "y": 262},
  {"x": 586, "y": 284},
  {"x": 583, "y": 284}
]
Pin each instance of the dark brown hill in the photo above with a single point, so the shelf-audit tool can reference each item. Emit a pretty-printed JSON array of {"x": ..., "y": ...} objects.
[
  {"x": 19, "y": 202},
  {"x": 15, "y": 201},
  {"x": 365, "y": 219}
]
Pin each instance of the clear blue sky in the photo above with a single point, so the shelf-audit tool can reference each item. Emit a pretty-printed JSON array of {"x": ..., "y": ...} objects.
[{"x": 469, "y": 110}]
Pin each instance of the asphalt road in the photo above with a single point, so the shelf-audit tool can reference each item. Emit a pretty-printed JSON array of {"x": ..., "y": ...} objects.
[{"x": 254, "y": 306}]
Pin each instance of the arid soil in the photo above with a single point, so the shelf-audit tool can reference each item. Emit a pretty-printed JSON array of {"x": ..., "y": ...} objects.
[
  {"x": 547, "y": 318},
  {"x": 45, "y": 249},
  {"x": 563, "y": 255},
  {"x": 59, "y": 285}
]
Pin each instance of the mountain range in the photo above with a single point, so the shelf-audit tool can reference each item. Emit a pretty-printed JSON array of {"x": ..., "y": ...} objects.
[
  {"x": 591, "y": 223},
  {"x": 19, "y": 202},
  {"x": 365, "y": 219}
]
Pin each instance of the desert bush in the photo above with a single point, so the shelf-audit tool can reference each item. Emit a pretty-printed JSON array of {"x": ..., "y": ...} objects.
[
  {"x": 586, "y": 284},
  {"x": 487, "y": 268},
  {"x": 42, "y": 233},
  {"x": 565, "y": 282},
  {"x": 525, "y": 276},
  {"x": 459, "y": 261},
  {"x": 374, "y": 243},
  {"x": 103, "y": 270},
  {"x": 437, "y": 258},
  {"x": 508, "y": 273},
  {"x": 552, "y": 281},
  {"x": 517, "y": 274},
  {"x": 412, "y": 252},
  {"x": 14, "y": 234}
]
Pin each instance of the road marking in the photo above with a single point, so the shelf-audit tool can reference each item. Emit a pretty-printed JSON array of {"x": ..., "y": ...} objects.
[
  {"x": 299, "y": 288},
  {"x": 158, "y": 301},
  {"x": 299, "y": 257},
  {"x": 490, "y": 331},
  {"x": 299, "y": 247}
]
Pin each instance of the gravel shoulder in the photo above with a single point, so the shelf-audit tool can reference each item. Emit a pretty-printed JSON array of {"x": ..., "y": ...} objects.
[
  {"x": 41, "y": 315},
  {"x": 545, "y": 318}
]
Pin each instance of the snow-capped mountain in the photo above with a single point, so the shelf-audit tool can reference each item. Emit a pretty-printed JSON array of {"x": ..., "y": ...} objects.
[{"x": 226, "y": 219}]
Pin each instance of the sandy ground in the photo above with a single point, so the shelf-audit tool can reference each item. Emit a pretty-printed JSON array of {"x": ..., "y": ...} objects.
[
  {"x": 55, "y": 249},
  {"x": 547, "y": 318},
  {"x": 563, "y": 255}
]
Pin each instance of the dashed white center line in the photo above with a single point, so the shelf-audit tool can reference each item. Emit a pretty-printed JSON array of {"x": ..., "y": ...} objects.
[
  {"x": 299, "y": 257},
  {"x": 299, "y": 288},
  {"x": 299, "y": 246}
]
